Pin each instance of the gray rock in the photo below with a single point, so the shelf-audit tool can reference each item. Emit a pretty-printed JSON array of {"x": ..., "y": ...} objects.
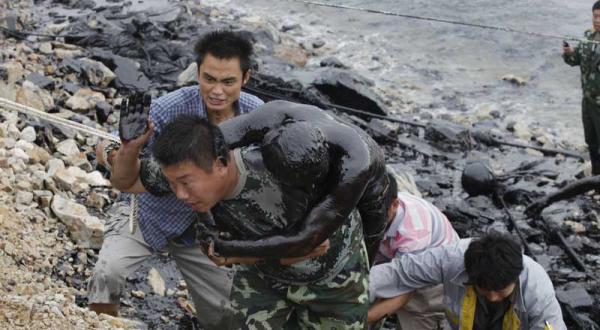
[
  {"x": 156, "y": 282},
  {"x": 8, "y": 143},
  {"x": 45, "y": 48},
  {"x": 54, "y": 165},
  {"x": 20, "y": 154},
  {"x": 41, "y": 81},
  {"x": 333, "y": 62},
  {"x": 85, "y": 230},
  {"x": 96, "y": 72},
  {"x": 84, "y": 100},
  {"x": 38, "y": 155},
  {"x": 96, "y": 200},
  {"x": 78, "y": 161},
  {"x": 188, "y": 76},
  {"x": 28, "y": 134},
  {"x": 14, "y": 71},
  {"x": 24, "y": 145},
  {"x": 33, "y": 96},
  {"x": 24, "y": 197},
  {"x": 576, "y": 297},
  {"x": 68, "y": 148},
  {"x": 70, "y": 179},
  {"x": 74, "y": 179},
  {"x": 318, "y": 44}
]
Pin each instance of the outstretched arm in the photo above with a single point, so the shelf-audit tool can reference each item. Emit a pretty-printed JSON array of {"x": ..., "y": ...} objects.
[
  {"x": 252, "y": 127},
  {"x": 322, "y": 221},
  {"x": 386, "y": 307},
  {"x": 573, "y": 189}
]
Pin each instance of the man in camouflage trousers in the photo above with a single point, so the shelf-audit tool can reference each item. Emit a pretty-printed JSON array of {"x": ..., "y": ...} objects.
[
  {"x": 296, "y": 179},
  {"x": 587, "y": 56}
]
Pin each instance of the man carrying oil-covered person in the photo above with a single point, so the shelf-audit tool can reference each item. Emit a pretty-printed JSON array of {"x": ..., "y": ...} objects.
[{"x": 294, "y": 178}]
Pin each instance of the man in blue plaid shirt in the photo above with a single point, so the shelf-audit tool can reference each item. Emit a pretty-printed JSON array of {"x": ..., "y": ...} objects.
[{"x": 165, "y": 224}]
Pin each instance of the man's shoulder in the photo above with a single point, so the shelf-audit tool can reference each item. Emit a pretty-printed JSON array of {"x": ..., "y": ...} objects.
[
  {"x": 249, "y": 102},
  {"x": 182, "y": 95},
  {"x": 535, "y": 275},
  {"x": 589, "y": 33}
]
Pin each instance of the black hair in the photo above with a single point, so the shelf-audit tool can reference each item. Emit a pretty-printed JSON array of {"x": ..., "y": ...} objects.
[
  {"x": 494, "y": 261},
  {"x": 190, "y": 138},
  {"x": 225, "y": 44},
  {"x": 596, "y": 6},
  {"x": 392, "y": 191}
]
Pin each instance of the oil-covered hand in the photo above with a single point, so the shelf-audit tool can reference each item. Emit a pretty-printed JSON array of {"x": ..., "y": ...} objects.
[
  {"x": 206, "y": 234},
  {"x": 534, "y": 209},
  {"x": 133, "y": 121}
]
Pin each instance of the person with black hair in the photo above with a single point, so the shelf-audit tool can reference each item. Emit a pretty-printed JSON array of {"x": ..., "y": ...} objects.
[
  {"x": 587, "y": 56},
  {"x": 414, "y": 226},
  {"x": 488, "y": 284},
  {"x": 296, "y": 177},
  {"x": 165, "y": 224}
]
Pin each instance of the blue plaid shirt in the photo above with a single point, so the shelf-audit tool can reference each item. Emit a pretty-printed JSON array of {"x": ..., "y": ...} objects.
[{"x": 165, "y": 218}]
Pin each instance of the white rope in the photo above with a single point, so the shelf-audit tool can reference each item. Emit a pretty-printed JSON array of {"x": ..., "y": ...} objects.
[
  {"x": 441, "y": 20},
  {"x": 53, "y": 119}
]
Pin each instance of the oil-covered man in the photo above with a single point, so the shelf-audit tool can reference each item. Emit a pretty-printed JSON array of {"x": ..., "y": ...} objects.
[
  {"x": 310, "y": 179},
  {"x": 587, "y": 56}
]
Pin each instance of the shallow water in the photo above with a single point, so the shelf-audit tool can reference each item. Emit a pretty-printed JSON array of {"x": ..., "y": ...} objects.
[{"x": 450, "y": 67}]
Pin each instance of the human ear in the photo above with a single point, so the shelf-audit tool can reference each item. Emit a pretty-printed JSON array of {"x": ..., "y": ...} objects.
[
  {"x": 246, "y": 77},
  {"x": 220, "y": 165}
]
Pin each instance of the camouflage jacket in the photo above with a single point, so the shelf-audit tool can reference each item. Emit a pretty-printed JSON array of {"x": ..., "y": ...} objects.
[
  {"x": 587, "y": 56},
  {"x": 262, "y": 208}
]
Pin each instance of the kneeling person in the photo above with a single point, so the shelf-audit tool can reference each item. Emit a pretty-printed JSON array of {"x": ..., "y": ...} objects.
[
  {"x": 414, "y": 226},
  {"x": 488, "y": 284}
]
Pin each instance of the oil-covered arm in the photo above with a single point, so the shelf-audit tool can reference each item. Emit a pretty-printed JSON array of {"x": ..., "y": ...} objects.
[
  {"x": 353, "y": 173},
  {"x": 372, "y": 206},
  {"x": 252, "y": 127}
]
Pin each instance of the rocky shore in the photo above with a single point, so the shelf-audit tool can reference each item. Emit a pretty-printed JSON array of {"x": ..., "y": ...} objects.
[{"x": 55, "y": 201}]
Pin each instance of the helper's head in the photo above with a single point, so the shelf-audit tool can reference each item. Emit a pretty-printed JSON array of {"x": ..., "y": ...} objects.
[
  {"x": 391, "y": 198},
  {"x": 223, "y": 59},
  {"x": 596, "y": 15},
  {"x": 193, "y": 156},
  {"x": 297, "y": 154},
  {"x": 494, "y": 263}
]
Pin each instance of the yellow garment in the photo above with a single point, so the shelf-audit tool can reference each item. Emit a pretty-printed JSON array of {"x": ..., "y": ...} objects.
[{"x": 467, "y": 318}]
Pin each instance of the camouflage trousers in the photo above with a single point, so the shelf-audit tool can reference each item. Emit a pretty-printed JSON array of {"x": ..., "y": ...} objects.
[
  {"x": 590, "y": 116},
  {"x": 338, "y": 303}
]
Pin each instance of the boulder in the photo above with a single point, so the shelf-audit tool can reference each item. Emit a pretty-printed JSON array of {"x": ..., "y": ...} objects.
[
  {"x": 68, "y": 148},
  {"x": 349, "y": 89},
  {"x": 84, "y": 100},
  {"x": 448, "y": 136},
  {"x": 54, "y": 165},
  {"x": 28, "y": 134},
  {"x": 85, "y": 230},
  {"x": 156, "y": 282},
  {"x": 31, "y": 95},
  {"x": 41, "y": 81},
  {"x": 96, "y": 72},
  {"x": 188, "y": 76}
]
